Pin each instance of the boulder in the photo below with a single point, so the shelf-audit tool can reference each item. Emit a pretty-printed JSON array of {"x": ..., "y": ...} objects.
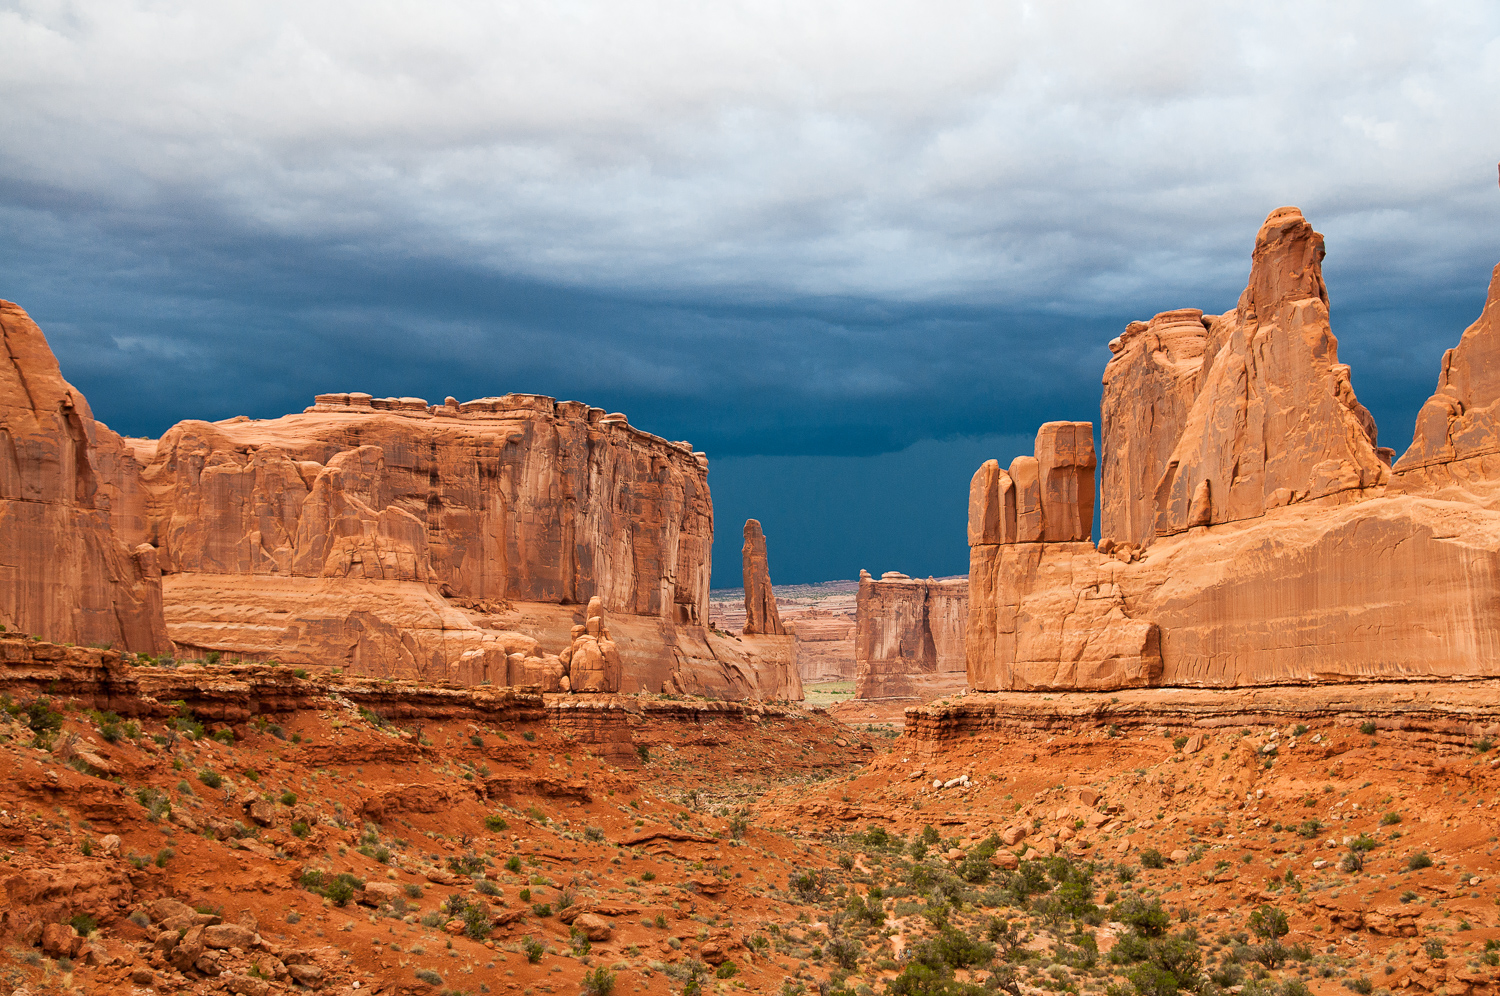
[
  {"x": 380, "y": 893},
  {"x": 593, "y": 926},
  {"x": 229, "y": 935},
  {"x": 61, "y": 941}
]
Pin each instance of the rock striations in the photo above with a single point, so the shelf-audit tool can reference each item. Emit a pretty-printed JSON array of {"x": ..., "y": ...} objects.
[
  {"x": 1253, "y": 533},
  {"x": 909, "y": 636},
  {"x": 63, "y": 570},
  {"x": 452, "y": 542}
]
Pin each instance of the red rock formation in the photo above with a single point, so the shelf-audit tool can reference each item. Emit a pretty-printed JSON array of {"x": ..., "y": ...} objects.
[
  {"x": 517, "y": 497},
  {"x": 1149, "y": 386},
  {"x": 761, "y": 617},
  {"x": 1457, "y": 437},
  {"x": 64, "y": 573},
  {"x": 1277, "y": 556},
  {"x": 1275, "y": 420},
  {"x": 909, "y": 636}
]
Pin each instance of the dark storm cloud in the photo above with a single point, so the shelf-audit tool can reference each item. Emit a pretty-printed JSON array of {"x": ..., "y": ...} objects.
[{"x": 777, "y": 231}]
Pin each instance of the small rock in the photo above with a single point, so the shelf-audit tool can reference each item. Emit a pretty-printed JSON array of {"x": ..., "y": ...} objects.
[
  {"x": 307, "y": 974},
  {"x": 1178, "y": 856},
  {"x": 1006, "y": 860},
  {"x": 710, "y": 952},
  {"x": 143, "y": 976},
  {"x": 229, "y": 935},
  {"x": 110, "y": 845}
]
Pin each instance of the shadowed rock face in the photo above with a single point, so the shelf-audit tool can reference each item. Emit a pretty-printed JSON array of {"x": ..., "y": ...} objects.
[
  {"x": 1253, "y": 533},
  {"x": 64, "y": 573},
  {"x": 761, "y": 616}
]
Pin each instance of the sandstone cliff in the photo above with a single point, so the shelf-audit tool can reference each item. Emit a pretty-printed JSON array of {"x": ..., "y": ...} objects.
[
  {"x": 1253, "y": 532},
  {"x": 761, "y": 616},
  {"x": 474, "y": 542},
  {"x": 909, "y": 636},
  {"x": 63, "y": 570}
]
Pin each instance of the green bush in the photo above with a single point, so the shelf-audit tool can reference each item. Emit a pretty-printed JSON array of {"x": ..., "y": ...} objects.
[
  {"x": 300, "y": 829},
  {"x": 428, "y": 976},
  {"x": 598, "y": 983},
  {"x": 495, "y": 823},
  {"x": 1367, "y": 727},
  {"x": 513, "y": 863},
  {"x": 1147, "y": 918},
  {"x": 727, "y": 970},
  {"x": 84, "y": 924},
  {"x": 211, "y": 778},
  {"x": 534, "y": 949},
  {"x": 1269, "y": 923},
  {"x": 289, "y": 798},
  {"x": 1418, "y": 861},
  {"x": 1390, "y": 819},
  {"x": 477, "y": 922},
  {"x": 1151, "y": 858}
]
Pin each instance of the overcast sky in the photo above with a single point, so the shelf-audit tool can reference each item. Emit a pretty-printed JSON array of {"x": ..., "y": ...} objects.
[{"x": 847, "y": 249}]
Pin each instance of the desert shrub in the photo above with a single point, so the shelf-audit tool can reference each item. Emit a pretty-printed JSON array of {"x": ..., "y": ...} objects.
[
  {"x": 1367, "y": 727},
  {"x": 1151, "y": 858},
  {"x": 1309, "y": 828},
  {"x": 488, "y": 888},
  {"x": 300, "y": 829},
  {"x": 428, "y": 976},
  {"x": 225, "y": 736},
  {"x": 477, "y": 922},
  {"x": 594, "y": 834},
  {"x": 495, "y": 823},
  {"x": 211, "y": 778},
  {"x": 1418, "y": 861},
  {"x": 727, "y": 970},
  {"x": 513, "y": 863},
  {"x": 289, "y": 798},
  {"x": 641, "y": 751},
  {"x": 84, "y": 924},
  {"x": 1269, "y": 923},
  {"x": 533, "y": 949},
  {"x": 1146, "y": 918},
  {"x": 1364, "y": 842},
  {"x": 1361, "y": 985},
  {"x": 598, "y": 983},
  {"x": 845, "y": 951}
]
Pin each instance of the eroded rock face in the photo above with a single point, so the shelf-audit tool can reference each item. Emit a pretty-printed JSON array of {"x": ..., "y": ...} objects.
[
  {"x": 909, "y": 636},
  {"x": 64, "y": 573},
  {"x": 1269, "y": 550},
  {"x": 1275, "y": 420},
  {"x": 1457, "y": 436},
  {"x": 518, "y": 497},
  {"x": 761, "y": 617},
  {"x": 1149, "y": 386}
]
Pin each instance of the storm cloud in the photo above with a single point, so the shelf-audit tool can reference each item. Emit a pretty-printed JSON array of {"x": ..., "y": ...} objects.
[{"x": 797, "y": 235}]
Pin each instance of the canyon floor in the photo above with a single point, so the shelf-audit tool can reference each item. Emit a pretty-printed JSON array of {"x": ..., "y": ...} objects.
[{"x": 720, "y": 848}]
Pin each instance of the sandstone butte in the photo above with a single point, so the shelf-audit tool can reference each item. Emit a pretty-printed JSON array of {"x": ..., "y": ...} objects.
[
  {"x": 909, "y": 636},
  {"x": 482, "y": 541},
  {"x": 1253, "y": 532}
]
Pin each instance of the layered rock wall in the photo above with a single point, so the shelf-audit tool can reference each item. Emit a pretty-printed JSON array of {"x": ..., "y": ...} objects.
[
  {"x": 909, "y": 636},
  {"x": 519, "y": 497},
  {"x": 1253, "y": 532},
  {"x": 64, "y": 572}
]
